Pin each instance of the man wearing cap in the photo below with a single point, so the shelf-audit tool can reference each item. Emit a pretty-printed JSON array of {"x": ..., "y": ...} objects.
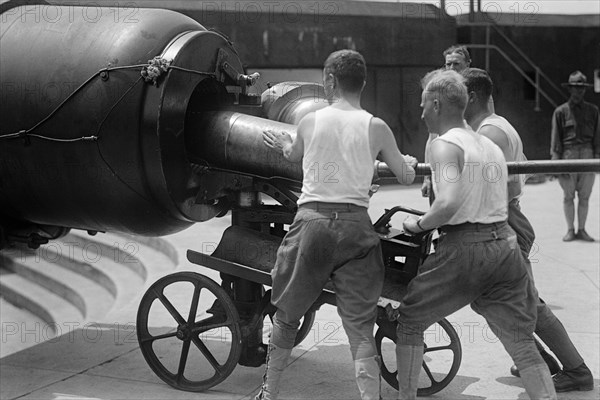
[{"x": 576, "y": 135}]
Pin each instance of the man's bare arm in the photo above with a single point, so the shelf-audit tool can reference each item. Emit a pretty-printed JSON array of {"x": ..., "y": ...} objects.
[
  {"x": 385, "y": 144},
  {"x": 499, "y": 137},
  {"x": 426, "y": 186},
  {"x": 445, "y": 157}
]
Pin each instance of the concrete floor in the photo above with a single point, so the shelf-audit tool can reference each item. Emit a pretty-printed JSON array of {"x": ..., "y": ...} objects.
[{"x": 102, "y": 360}]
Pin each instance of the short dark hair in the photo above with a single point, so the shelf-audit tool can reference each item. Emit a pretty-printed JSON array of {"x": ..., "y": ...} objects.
[
  {"x": 349, "y": 67},
  {"x": 462, "y": 50},
  {"x": 478, "y": 81}
]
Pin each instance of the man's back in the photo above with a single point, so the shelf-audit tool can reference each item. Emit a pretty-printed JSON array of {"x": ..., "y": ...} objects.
[
  {"x": 337, "y": 163},
  {"x": 482, "y": 181}
]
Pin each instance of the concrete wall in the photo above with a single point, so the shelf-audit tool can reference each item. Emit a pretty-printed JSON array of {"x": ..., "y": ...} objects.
[{"x": 399, "y": 49}]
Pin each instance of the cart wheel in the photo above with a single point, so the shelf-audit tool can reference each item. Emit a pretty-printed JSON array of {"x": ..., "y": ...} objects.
[
  {"x": 189, "y": 331},
  {"x": 441, "y": 358}
]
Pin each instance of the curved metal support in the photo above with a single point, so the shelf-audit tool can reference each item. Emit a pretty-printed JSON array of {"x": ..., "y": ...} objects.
[
  {"x": 520, "y": 52},
  {"x": 516, "y": 66}
]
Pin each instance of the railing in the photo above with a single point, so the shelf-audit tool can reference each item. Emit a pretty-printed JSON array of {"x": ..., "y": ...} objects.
[
  {"x": 520, "y": 70},
  {"x": 538, "y": 72}
]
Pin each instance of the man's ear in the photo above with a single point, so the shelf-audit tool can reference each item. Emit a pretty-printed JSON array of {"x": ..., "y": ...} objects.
[
  {"x": 472, "y": 97},
  {"x": 436, "y": 105},
  {"x": 330, "y": 80}
]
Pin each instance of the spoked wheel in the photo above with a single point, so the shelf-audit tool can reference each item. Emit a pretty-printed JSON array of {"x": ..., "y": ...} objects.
[
  {"x": 441, "y": 358},
  {"x": 189, "y": 331}
]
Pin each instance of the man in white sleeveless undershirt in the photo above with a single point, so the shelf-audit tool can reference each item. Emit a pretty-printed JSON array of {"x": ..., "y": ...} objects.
[
  {"x": 575, "y": 375},
  {"x": 332, "y": 237},
  {"x": 477, "y": 260}
]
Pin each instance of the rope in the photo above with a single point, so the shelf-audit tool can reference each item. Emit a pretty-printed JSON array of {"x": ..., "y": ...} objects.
[{"x": 150, "y": 72}]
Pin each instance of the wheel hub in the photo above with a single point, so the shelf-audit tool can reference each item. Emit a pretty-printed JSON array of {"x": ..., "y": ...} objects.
[{"x": 183, "y": 332}]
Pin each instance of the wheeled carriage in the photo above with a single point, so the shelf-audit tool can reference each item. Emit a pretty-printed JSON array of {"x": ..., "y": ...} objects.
[{"x": 193, "y": 331}]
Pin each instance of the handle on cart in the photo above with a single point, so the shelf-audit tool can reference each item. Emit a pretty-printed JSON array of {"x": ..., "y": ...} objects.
[{"x": 382, "y": 224}]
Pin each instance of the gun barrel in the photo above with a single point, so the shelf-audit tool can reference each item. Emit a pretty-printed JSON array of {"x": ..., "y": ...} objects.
[{"x": 229, "y": 140}]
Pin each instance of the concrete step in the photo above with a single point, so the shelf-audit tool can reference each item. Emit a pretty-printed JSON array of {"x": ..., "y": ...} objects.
[
  {"x": 162, "y": 247},
  {"x": 98, "y": 276},
  {"x": 120, "y": 273},
  {"x": 54, "y": 315},
  {"x": 156, "y": 256},
  {"x": 15, "y": 321},
  {"x": 47, "y": 270},
  {"x": 69, "y": 257},
  {"x": 102, "y": 248}
]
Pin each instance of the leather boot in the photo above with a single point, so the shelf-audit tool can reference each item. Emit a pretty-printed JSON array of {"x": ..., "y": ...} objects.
[
  {"x": 538, "y": 382},
  {"x": 579, "y": 378},
  {"x": 277, "y": 358},
  {"x": 409, "y": 360},
  {"x": 368, "y": 377}
]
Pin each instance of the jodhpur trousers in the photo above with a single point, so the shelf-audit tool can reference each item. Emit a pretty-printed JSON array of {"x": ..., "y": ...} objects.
[
  {"x": 481, "y": 265},
  {"x": 329, "y": 242}
]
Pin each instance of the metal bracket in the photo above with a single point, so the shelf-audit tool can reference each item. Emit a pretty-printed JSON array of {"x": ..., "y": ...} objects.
[
  {"x": 282, "y": 195},
  {"x": 225, "y": 69},
  {"x": 222, "y": 57},
  {"x": 216, "y": 185}
]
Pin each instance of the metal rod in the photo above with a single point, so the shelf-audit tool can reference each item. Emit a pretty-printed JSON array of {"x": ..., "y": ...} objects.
[
  {"x": 471, "y": 10},
  {"x": 487, "y": 50},
  {"x": 537, "y": 90},
  {"x": 523, "y": 167}
]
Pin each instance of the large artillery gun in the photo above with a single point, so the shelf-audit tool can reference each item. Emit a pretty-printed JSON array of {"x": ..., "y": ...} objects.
[{"x": 148, "y": 126}]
